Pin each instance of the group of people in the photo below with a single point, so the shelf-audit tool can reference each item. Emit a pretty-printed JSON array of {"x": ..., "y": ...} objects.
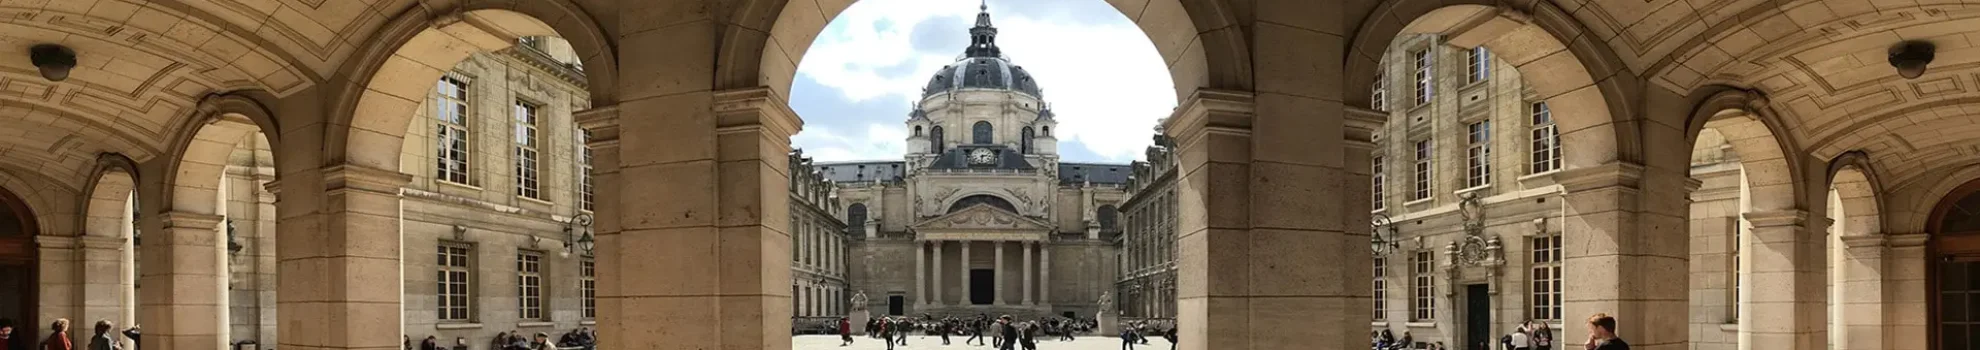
[
  {"x": 1531, "y": 335},
  {"x": 1134, "y": 333},
  {"x": 514, "y": 340},
  {"x": 105, "y": 337},
  {"x": 1004, "y": 332}
]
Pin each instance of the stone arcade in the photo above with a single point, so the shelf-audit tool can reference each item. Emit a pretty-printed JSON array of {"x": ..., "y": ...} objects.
[{"x": 690, "y": 130}]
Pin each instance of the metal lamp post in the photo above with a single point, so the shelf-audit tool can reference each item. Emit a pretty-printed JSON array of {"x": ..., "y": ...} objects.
[{"x": 577, "y": 235}]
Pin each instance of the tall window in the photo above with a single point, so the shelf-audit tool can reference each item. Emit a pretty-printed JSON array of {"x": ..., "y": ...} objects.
[
  {"x": 1478, "y": 65},
  {"x": 450, "y": 112},
  {"x": 1421, "y": 60},
  {"x": 980, "y": 133},
  {"x": 1379, "y": 99},
  {"x": 935, "y": 140},
  {"x": 856, "y": 219},
  {"x": 1478, "y": 154},
  {"x": 1024, "y": 144},
  {"x": 1546, "y": 278},
  {"x": 529, "y": 285},
  {"x": 526, "y": 184},
  {"x": 1421, "y": 189},
  {"x": 1738, "y": 244},
  {"x": 587, "y": 192},
  {"x": 588, "y": 286},
  {"x": 1546, "y": 141},
  {"x": 1381, "y": 289},
  {"x": 453, "y": 293},
  {"x": 1423, "y": 300},
  {"x": 1377, "y": 181}
]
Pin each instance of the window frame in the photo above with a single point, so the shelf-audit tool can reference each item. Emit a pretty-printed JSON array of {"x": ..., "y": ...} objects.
[
  {"x": 587, "y": 186},
  {"x": 1478, "y": 154},
  {"x": 526, "y": 138},
  {"x": 1544, "y": 140},
  {"x": 454, "y": 137},
  {"x": 1378, "y": 97},
  {"x": 1424, "y": 179},
  {"x": 455, "y": 307},
  {"x": 1381, "y": 287},
  {"x": 529, "y": 286},
  {"x": 1423, "y": 290},
  {"x": 1478, "y": 65},
  {"x": 1424, "y": 73},
  {"x": 1377, "y": 180},
  {"x": 1544, "y": 278}
]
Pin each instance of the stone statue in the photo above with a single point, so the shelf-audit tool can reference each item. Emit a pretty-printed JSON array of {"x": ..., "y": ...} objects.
[
  {"x": 1106, "y": 302},
  {"x": 859, "y": 301}
]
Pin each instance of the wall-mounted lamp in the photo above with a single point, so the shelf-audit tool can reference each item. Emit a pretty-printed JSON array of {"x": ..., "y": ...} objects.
[
  {"x": 1911, "y": 57},
  {"x": 53, "y": 60},
  {"x": 577, "y": 235}
]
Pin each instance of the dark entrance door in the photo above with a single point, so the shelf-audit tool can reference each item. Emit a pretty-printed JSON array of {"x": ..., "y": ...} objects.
[
  {"x": 895, "y": 303},
  {"x": 18, "y": 282},
  {"x": 1477, "y": 317},
  {"x": 1959, "y": 297},
  {"x": 981, "y": 283}
]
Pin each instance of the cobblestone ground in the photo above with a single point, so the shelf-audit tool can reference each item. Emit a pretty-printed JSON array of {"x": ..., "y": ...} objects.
[{"x": 828, "y": 342}]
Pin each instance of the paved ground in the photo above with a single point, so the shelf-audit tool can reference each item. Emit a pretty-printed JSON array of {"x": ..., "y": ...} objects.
[{"x": 826, "y": 342}]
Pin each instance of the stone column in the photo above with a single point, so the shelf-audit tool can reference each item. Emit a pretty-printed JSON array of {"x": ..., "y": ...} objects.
[
  {"x": 1026, "y": 246},
  {"x": 937, "y": 270},
  {"x": 1262, "y": 212},
  {"x": 103, "y": 288},
  {"x": 181, "y": 302},
  {"x": 964, "y": 277},
  {"x": 1625, "y": 249},
  {"x": 1784, "y": 308},
  {"x": 1861, "y": 318},
  {"x": 340, "y": 259},
  {"x": 921, "y": 273},
  {"x": 997, "y": 274},
  {"x": 60, "y": 276},
  {"x": 1045, "y": 275},
  {"x": 1905, "y": 310}
]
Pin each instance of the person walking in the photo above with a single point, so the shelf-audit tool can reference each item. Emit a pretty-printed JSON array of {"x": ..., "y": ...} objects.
[
  {"x": 1006, "y": 333},
  {"x": 905, "y": 326},
  {"x": 1602, "y": 334},
  {"x": 1024, "y": 336},
  {"x": 105, "y": 341},
  {"x": 975, "y": 331},
  {"x": 845, "y": 332},
  {"x": 58, "y": 337},
  {"x": 1127, "y": 338},
  {"x": 1543, "y": 338},
  {"x": 885, "y": 332},
  {"x": 945, "y": 327},
  {"x": 1171, "y": 336}
]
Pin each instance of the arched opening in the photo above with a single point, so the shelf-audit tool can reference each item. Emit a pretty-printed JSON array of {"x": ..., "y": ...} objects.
[
  {"x": 1107, "y": 216},
  {"x": 935, "y": 140},
  {"x": 1024, "y": 140},
  {"x": 856, "y": 219},
  {"x": 1861, "y": 283},
  {"x": 110, "y": 215},
  {"x": 1954, "y": 262},
  {"x": 19, "y": 279},
  {"x": 982, "y": 199},
  {"x": 1753, "y": 222},
  {"x": 210, "y": 225},
  {"x": 981, "y": 133}
]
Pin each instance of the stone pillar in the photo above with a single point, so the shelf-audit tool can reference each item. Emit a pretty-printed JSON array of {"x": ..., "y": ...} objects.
[
  {"x": 997, "y": 274},
  {"x": 1028, "y": 301},
  {"x": 1625, "y": 247},
  {"x": 1262, "y": 215},
  {"x": 920, "y": 273},
  {"x": 103, "y": 288},
  {"x": 1905, "y": 309},
  {"x": 1045, "y": 275},
  {"x": 340, "y": 260},
  {"x": 1784, "y": 308},
  {"x": 181, "y": 302},
  {"x": 60, "y": 276},
  {"x": 937, "y": 270},
  {"x": 964, "y": 277},
  {"x": 1861, "y": 318}
]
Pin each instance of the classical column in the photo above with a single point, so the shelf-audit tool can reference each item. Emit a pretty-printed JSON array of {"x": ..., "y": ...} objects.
[
  {"x": 1628, "y": 240},
  {"x": 103, "y": 288},
  {"x": 182, "y": 283},
  {"x": 1045, "y": 275},
  {"x": 997, "y": 274},
  {"x": 1862, "y": 294},
  {"x": 937, "y": 269},
  {"x": 1785, "y": 268},
  {"x": 1026, "y": 246},
  {"x": 1905, "y": 311},
  {"x": 921, "y": 273},
  {"x": 965, "y": 277},
  {"x": 59, "y": 285},
  {"x": 343, "y": 239}
]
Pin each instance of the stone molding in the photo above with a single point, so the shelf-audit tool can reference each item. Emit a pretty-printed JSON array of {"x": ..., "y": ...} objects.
[
  {"x": 1362, "y": 124},
  {"x": 99, "y": 242},
  {"x": 1211, "y": 111},
  {"x": 344, "y": 177},
  {"x": 1903, "y": 240},
  {"x": 1616, "y": 174},
  {"x": 180, "y": 219},
  {"x": 55, "y": 242},
  {"x": 757, "y": 108},
  {"x": 1863, "y": 241},
  {"x": 1777, "y": 218},
  {"x": 603, "y": 122}
]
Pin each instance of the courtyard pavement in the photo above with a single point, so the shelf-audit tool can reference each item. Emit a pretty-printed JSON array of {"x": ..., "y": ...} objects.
[{"x": 831, "y": 342}]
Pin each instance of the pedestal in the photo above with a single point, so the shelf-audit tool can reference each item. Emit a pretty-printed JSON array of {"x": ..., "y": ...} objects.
[
  {"x": 857, "y": 320},
  {"x": 1110, "y": 323}
]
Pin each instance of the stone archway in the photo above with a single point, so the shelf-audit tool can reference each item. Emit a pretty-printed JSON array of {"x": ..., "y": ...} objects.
[
  {"x": 107, "y": 259},
  {"x": 1862, "y": 277},
  {"x": 19, "y": 277},
  {"x": 1954, "y": 247},
  {"x": 187, "y": 272}
]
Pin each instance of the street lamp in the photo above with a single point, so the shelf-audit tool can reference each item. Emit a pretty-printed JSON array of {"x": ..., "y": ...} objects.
[
  {"x": 1382, "y": 235},
  {"x": 577, "y": 235}
]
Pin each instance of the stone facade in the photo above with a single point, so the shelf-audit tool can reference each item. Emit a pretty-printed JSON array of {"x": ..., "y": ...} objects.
[
  {"x": 820, "y": 244},
  {"x": 1147, "y": 242}
]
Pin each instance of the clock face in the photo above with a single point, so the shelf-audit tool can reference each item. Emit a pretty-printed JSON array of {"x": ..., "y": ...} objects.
[{"x": 982, "y": 157}]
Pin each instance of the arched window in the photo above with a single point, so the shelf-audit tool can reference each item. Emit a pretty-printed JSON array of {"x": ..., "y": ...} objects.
[
  {"x": 980, "y": 133},
  {"x": 971, "y": 201},
  {"x": 935, "y": 140},
  {"x": 856, "y": 219},
  {"x": 917, "y": 130},
  {"x": 1047, "y": 130},
  {"x": 1106, "y": 215},
  {"x": 1025, "y": 142}
]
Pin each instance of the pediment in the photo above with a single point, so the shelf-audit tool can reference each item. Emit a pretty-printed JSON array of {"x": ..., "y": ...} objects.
[{"x": 981, "y": 217}]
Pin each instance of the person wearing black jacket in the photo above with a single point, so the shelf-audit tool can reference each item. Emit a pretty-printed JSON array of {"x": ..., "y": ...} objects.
[{"x": 1007, "y": 331}]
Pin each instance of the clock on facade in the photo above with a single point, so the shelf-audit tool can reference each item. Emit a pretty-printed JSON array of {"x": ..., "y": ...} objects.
[{"x": 982, "y": 156}]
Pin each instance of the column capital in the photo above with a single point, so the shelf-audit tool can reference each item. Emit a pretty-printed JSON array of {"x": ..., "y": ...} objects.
[
  {"x": 1762, "y": 219},
  {"x": 357, "y": 177},
  {"x": 1903, "y": 240},
  {"x": 1362, "y": 124},
  {"x": 755, "y": 108},
  {"x": 1211, "y": 111},
  {"x": 1613, "y": 174},
  {"x": 55, "y": 242},
  {"x": 100, "y": 242},
  {"x": 180, "y": 219}
]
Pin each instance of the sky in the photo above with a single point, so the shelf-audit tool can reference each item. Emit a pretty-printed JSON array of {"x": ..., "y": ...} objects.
[{"x": 1099, "y": 72}]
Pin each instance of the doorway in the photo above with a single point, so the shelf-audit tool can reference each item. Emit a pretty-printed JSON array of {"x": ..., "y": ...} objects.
[
  {"x": 17, "y": 265},
  {"x": 1477, "y": 317},
  {"x": 982, "y": 282},
  {"x": 1954, "y": 276},
  {"x": 896, "y": 305}
]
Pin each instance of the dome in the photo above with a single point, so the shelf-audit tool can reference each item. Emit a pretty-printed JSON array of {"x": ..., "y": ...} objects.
[
  {"x": 982, "y": 73},
  {"x": 982, "y": 66}
]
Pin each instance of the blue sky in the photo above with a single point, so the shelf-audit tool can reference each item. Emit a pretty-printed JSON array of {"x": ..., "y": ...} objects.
[{"x": 1100, "y": 73}]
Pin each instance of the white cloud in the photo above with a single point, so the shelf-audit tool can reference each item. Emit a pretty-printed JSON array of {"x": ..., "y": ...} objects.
[
  {"x": 829, "y": 143},
  {"x": 1103, "y": 78}
]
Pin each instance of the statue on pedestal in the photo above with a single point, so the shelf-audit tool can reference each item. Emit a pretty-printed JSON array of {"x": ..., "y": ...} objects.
[
  {"x": 1108, "y": 319},
  {"x": 857, "y": 316}
]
